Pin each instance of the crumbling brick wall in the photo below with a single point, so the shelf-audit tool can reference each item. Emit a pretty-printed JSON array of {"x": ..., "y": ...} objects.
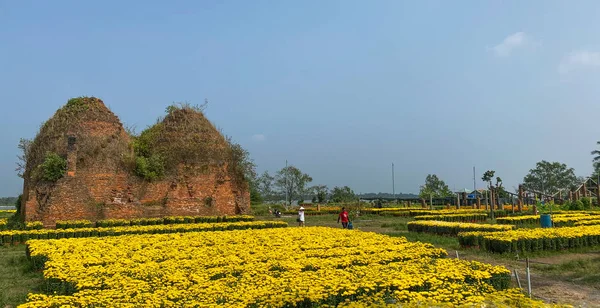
[{"x": 103, "y": 189}]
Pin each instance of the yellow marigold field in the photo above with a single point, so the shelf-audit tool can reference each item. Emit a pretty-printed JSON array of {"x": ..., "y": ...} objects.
[
  {"x": 559, "y": 218},
  {"x": 291, "y": 267},
  {"x": 538, "y": 239},
  {"x": 453, "y": 228}
]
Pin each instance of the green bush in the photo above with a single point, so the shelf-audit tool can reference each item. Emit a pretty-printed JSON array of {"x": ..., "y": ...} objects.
[
  {"x": 586, "y": 202},
  {"x": 53, "y": 167},
  {"x": 576, "y": 205},
  {"x": 151, "y": 168}
]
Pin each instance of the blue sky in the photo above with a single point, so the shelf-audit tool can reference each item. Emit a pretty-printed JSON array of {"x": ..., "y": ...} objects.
[{"x": 341, "y": 89}]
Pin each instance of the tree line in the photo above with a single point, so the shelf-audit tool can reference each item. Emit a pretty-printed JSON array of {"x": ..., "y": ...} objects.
[
  {"x": 546, "y": 177},
  {"x": 291, "y": 184}
]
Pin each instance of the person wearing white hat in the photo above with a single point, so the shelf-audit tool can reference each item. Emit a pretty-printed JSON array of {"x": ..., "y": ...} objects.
[{"x": 301, "y": 217}]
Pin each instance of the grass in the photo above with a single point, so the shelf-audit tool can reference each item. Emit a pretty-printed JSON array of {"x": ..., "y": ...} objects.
[
  {"x": 17, "y": 278},
  {"x": 585, "y": 271}
]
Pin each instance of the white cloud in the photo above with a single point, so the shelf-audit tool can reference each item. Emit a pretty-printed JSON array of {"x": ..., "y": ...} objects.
[
  {"x": 259, "y": 137},
  {"x": 510, "y": 43},
  {"x": 579, "y": 59}
]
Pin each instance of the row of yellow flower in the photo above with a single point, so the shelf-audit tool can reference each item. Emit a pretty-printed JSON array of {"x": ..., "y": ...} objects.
[
  {"x": 472, "y": 217},
  {"x": 410, "y": 212},
  {"x": 21, "y": 236},
  {"x": 3, "y": 223},
  {"x": 561, "y": 221},
  {"x": 505, "y": 299},
  {"x": 453, "y": 228},
  {"x": 289, "y": 267},
  {"x": 8, "y": 211},
  {"x": 561, "y": 217},
  {"x": 523, "y": 240},
  {"x": 587, "y": 222},
  {"x": 70, "y": 224}
]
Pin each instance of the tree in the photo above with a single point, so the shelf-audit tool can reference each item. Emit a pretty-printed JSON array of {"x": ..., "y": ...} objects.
[
  {"x": 550, "y": 177},
  {"x": 494, "y": 190},
  {"x": 292, "y": 182},
  {"x": 265, "y": 185},
  {"x": 342, "y": 194},
  {"x": 596, "y": 160},
  {"x": 320, "y": 192},
  {"x": 244, "y": 165},
  {"x": 24, "y": 146},
  {"x": 434, "y": 188}
]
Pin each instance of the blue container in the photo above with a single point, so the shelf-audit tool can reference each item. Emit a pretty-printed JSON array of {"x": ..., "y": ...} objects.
[{"x": 546, "y": 221}]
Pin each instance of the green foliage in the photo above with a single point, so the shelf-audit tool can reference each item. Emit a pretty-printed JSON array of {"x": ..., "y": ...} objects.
[
  {"x": 151, "y": 168},
  {"x": 53, "y": 168},
  {"x": 77, "y": 103},
  {"x": 320, "y": 192},
  {"x": 264, "y": 184},
  {"x": 255, "y": 197},
  {"x": 342, "y": 194},
  {"x": 434, "y": 188},
  {"x": 576, "y": 205},
  {"x": 586, "y": 202},
  {"x": 8, "y": 201},
  {"x": 142, "y": 144},
  {"x": 550, "y": 177},
  {"x": 292, "y": 181},
  {"x": 18, "y": 204},
  {"x": 241, "y": 164},
  {"x": 488, "y": 176}
]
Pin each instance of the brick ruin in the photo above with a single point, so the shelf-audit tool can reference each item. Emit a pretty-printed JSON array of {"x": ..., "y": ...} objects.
[{"x": 100, "y": 181}]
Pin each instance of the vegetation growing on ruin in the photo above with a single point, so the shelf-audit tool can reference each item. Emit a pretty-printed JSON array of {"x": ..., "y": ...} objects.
[
  {"x": 184, "y": 137},
  {"x": 93, "y": 148},
  {"x": 53, "y": 168}
]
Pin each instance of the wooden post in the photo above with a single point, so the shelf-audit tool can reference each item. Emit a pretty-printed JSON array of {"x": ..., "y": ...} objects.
[
  {"x": 478, "y": 202},
  {"x": 465, "y": 201},
  {"x": 584, "y": 187},
  {"x": 528, "y": 279},
  {"x": 520, "y": 205},
  {"x": 570, "y": 195},
  {"x": 423, "y": 205}
]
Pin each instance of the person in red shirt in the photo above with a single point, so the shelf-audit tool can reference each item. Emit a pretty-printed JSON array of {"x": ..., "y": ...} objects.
[{"x": 344, "y": 218}]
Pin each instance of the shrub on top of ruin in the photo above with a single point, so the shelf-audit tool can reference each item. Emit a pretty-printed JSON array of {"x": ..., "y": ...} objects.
[
  {"x": 150, "y": 168},
  {"x": 78, "y": 103},
  {"x": 53, "y": 168}
]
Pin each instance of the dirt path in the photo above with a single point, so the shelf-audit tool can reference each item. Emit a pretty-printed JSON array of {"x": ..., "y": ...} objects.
[{"x": 547, "y": 287}]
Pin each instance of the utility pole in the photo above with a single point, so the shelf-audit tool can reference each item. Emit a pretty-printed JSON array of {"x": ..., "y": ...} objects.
[
  {"x": 286, "y": 187},
  {"x": 474, "y": 183},
  {"x": 393, "y": 183}
]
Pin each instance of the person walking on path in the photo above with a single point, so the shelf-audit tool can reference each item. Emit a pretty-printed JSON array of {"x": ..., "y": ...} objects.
[
  {"x": 344, "y": 218},
  {"x": 301, "y": 217}
]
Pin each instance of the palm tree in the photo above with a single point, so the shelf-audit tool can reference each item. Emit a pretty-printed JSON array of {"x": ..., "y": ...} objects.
[{"x": 596, "y": 159}]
